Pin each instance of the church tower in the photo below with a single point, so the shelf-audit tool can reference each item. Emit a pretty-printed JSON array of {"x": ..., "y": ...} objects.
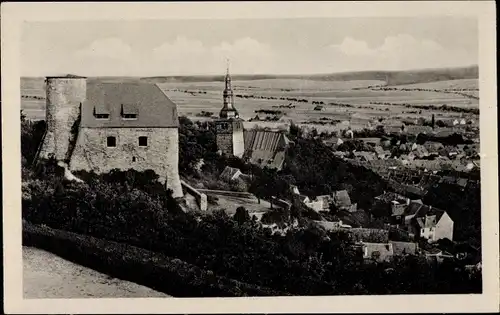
[{"x": 229, "y": 138}]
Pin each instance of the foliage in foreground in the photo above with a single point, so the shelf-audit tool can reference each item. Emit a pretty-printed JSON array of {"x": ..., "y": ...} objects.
[
  {"x": 133, "y": 208},
  {"x": 307, "y": 261},
  {"x": 131, "y": 263}
]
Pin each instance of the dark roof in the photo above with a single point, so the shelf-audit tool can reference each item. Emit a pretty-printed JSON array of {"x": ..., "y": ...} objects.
[
  {"x": 265, "y": 148},
  {"x": 462, "y": 182},
  {"x": 413, "y": 208},
  {"x": 425, "y": 216},
  {"x": 390, "y": 196},
  {"x": 146, "y": 100},
  {"x": 341, "y": 198},
  {"x": 229, "y": 172},
  {"x": 427, "y": 221}
]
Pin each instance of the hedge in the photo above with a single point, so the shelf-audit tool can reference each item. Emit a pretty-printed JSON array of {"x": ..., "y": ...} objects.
[{"x": 172, "y": 276}]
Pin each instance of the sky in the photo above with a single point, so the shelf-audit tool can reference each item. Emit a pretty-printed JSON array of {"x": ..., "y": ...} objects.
[{"x": 253, "y": 46}]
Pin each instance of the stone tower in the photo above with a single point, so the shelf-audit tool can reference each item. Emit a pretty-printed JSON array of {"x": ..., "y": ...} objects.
[
  {"x": 230, "y": 139},
  {"x": 65, "y": 96}
]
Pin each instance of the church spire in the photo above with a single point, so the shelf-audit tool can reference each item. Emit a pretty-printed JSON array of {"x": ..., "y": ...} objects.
[
  {"x": 228, "y": 109},
  {"x": 227, "y": 80}
]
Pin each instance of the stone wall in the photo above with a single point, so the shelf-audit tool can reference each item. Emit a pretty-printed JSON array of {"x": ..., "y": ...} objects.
[
  {"x": 160, "y": 155},
  {"x": 225, "y": 143},
  {"x": 201, "y": 198},
  {"x": 230, "y": 138},
  {"x": 64, "y": 98}
]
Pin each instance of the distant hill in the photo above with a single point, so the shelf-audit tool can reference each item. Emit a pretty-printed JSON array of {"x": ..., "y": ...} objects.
[{"x": 390, "y": 77}]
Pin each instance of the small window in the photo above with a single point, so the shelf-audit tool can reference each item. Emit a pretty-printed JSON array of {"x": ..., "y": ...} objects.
[
  {"x": 111, "y": 142},
  {"x": 133, "y": 159},
  {"x": 102, "y": 116},
  {"x": 143, "y": 141},
  {"x": 129, "y": 116}
]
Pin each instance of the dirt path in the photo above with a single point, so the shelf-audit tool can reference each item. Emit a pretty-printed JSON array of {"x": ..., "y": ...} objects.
[{"x": 46, "y": 275}]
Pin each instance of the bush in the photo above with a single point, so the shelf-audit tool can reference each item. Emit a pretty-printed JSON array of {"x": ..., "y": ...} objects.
[{"x": 162, "y": 273}]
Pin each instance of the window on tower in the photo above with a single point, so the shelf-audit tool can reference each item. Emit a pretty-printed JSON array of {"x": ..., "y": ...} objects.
[
  {"x": 111, "y": 142},
  {"x": 143, "y": 141}
]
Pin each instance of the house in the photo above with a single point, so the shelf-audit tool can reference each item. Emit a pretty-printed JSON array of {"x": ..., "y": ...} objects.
[
  {"x": 378, "y": 252},
  {"x": 427, "y": 222},
  {"x": 448, "y": 151},
  {"x": 321, "y": 203},
  {"x": 265, "y": 148},
  {"x": 304, "y": 199},
  {"x": 342, "y": 201},
  {"x": 316, "y": 205},
  {"x": 450, "y": 180},
  {"x": 381, "y": 153},
  {"x": 470, "y": 166},
  {"x": 333, "y": 142},
  {"x": 364, "y": 156},
  {"x": 393, "y": 129},
  {"x": 415, "y": 130},
  {"x": 294, "y": 189},
  {"x": 391, "y": 203},
  {"x": 340, "y": 154},
  {"x": 404, "y": 248},
  {"x": 98, "y": 127},
  {"x": 371, "y": 141},
  {"x": 369, "y": 235},
  {"x": 436, "y": 255},
  {"x": 433, "y": 147},
  {"x": 230, "y": 174},
  {"x": 349, "y": 134},
  {"x": 332, "y": 226},
  {"x": 462, "y": 182},
  {"x": 420, "y": 151}
]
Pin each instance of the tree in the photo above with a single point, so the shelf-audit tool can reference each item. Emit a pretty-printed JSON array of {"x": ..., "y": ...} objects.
[{"x": 241, "y": 216}]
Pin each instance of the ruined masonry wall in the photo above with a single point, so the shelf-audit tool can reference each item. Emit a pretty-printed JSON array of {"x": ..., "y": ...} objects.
[
  {"x": 161, "y": 154},
  {"x": 64, "y": 97}
]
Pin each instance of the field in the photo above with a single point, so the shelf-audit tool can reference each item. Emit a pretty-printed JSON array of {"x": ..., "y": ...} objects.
[{"x": 355, "y": 102}]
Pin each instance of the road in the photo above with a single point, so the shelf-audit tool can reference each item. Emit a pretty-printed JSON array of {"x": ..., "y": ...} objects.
[{"x": 46, "y": 275}]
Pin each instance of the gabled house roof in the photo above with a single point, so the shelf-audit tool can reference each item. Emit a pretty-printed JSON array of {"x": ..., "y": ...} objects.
[
  {"x": 341, "y": 198},
  {"x": 423, "y": 216},
  {"x": 433, "y": 147},
  {"x": 426, "y": 221},
  {"x": 368, "y": 156},
  {"x": 229, "y": 172},
  {"x": 266, "y": 148},
  {"x": 380, "y": 151},
  {"x": 152, "y": 107}
]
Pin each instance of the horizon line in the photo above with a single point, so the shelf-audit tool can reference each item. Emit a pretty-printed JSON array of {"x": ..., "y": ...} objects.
[{"x": 250, "y": 74}]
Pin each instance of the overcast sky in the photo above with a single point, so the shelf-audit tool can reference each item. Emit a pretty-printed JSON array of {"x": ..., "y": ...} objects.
[{"x": 278, "y": 46}]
